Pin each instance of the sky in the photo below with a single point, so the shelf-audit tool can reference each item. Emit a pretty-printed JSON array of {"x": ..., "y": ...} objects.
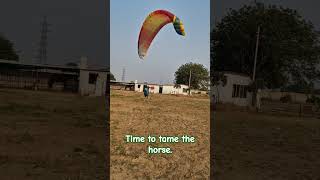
[
  {"x": 78, "y": 28},
  {"x": 168, "y": 50}
]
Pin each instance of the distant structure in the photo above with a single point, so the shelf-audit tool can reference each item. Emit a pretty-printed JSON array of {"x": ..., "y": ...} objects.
[
  {"x": 83, "y": 79},
  {"x": 123, "y": 79},
  {"x": 42, "y": 54},
  {"x": 235, "y": 91},
  {"x": 180, "y": 89},
  {"x": 163, "y": 88}
]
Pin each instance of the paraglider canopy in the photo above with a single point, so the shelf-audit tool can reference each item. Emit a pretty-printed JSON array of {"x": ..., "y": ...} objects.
[{"x": 152, "y": 25}]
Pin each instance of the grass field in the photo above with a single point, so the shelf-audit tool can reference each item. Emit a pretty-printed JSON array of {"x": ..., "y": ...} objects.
[
  {"x": 160, "y": 115},
  {"x": 47, "y": 135},
  {"x": 250, "y": 146}
]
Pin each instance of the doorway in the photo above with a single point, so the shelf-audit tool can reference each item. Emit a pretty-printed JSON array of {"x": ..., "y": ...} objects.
[{"x": 160, "y": 89}]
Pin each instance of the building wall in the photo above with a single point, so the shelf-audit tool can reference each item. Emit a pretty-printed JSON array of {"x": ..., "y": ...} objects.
[
  {"x": 170, "y": 89},
  {"x": 86, "y": 88},
  {"x": 154, "y": 89},
  {"x": 223, "y": 94},
  {"x": 166, "y": 89},
  {"x": 138, "y": 87},
  {"x": 96, "y": 89},
  {"x": 101, "y": 84},
  {"x": 194, "y": 91}
]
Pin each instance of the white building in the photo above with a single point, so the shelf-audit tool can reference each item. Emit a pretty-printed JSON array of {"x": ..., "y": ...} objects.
[
  {"x": 196, "y": 91},
  {"x": 172, "y": 89},
  {"x": 235, "y": 90},
  {"x": 163, "y": 89},
  {"x": 92, "y": 81}
]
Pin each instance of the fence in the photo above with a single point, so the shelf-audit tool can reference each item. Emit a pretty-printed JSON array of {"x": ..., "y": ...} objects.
[{"x": 298, "y": 109}]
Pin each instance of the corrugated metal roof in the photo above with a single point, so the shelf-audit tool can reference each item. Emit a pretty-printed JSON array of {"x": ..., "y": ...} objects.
[{"x": 90, "y": 68}]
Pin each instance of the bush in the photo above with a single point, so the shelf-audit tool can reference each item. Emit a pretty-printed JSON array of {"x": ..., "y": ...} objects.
[
  {"x": 310, "y": 100},
  {"x": 313, "y": 100}
]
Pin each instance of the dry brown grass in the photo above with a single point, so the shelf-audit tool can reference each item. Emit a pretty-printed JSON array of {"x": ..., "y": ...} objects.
[
  {"x": 250, "y": 146},
  {"x": 47, "y": 135},
  {"x": 160, "y": 115}
]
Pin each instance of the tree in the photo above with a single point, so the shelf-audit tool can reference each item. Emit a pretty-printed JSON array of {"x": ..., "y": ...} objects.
[
  {"x": 199, "y": 76},
  {"x": 7, "y": 51},
  {"x": 288, "y": 46}
]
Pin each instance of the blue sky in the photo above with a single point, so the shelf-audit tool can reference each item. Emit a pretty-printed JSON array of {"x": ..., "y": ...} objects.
[{"x": 168, "y": 50}]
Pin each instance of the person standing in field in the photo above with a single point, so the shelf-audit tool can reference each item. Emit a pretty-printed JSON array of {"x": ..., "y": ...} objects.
[{"x": 146, "y": 91}]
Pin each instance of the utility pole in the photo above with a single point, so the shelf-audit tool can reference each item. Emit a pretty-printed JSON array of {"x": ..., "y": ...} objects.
[
  {"x": 254, "y": 69},
  {"x": 256, "y": 55},
  {"x": 189, "y": 82}
]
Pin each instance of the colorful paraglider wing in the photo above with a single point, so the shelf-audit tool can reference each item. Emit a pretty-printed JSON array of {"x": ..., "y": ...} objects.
[
  {"x": 178, "y": 26},
  {"x": 152, "y": 25}
]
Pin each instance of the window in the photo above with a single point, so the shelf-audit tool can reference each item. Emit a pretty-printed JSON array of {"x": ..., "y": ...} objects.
[
  {"x": 139, "y": 86},
  {"x": 239, "y": 91},
  {"x": 92, "y": 78},
  {"x": 245, "y": 90},
  {"x": 184, "y": 90},
  {"x": 234, "y": 91}
]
